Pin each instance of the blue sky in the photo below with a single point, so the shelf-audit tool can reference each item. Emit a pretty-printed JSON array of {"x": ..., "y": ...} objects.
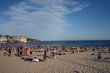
[{"x": 56, "y": 19}]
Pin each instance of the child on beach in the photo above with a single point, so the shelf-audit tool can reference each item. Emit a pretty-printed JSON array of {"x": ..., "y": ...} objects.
[{"x": 5, "y": 52}]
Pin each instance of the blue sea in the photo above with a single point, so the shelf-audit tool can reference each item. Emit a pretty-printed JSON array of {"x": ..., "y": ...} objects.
[{"x": 91, "y": 43}]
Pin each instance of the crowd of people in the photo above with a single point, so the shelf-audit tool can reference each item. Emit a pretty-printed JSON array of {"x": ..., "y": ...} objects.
[
  {"x": 55, "y": 50},
  {"x": 21, "y": 51}
]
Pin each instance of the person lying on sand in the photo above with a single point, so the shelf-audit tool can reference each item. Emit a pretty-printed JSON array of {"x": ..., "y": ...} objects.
[{"x": 35, "y": 59}]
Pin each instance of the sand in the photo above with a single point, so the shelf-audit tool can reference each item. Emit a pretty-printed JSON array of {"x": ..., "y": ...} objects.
[{"x": 82, "y": 62}]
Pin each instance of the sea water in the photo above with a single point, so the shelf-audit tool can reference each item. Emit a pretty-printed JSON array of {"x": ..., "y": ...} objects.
[{"x": 92, "y": 43}]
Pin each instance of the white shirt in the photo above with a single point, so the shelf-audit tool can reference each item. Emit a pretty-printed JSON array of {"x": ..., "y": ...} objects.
[{"x": 36, "y": 60}]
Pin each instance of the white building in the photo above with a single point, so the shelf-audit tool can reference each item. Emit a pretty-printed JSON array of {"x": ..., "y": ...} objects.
[
  {"x": 22, "y": 39},
  {"x": 13, "y": 38},
  {"x": 3, "y": 39}
]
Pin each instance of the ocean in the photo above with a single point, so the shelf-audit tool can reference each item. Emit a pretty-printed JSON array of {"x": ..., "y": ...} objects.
[{"x": 91, "y": 43}]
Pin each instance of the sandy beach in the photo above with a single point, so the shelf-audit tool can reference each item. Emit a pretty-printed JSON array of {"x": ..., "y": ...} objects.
[
  {"x": 78, "y": 62},
  {"x": 54, "y": 36}
]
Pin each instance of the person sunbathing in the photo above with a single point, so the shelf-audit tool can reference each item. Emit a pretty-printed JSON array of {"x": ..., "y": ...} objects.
[{"x": 35, "y": 59}]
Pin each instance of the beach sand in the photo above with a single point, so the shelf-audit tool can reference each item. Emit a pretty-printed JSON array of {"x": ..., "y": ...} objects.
[{"x": 82, "y": 62}]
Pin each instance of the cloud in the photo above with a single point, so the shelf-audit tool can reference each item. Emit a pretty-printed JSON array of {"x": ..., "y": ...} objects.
[{"x": 42, "y": 19}]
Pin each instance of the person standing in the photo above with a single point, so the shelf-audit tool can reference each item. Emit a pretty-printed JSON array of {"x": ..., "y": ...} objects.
[
  {"x": 18, "y": 51},
  {"x": 9, "y": 52},
  {"x": 99, "y": 55},
  {"x": 54, "y": 54},
  {"x": 45, "y": 54}
]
